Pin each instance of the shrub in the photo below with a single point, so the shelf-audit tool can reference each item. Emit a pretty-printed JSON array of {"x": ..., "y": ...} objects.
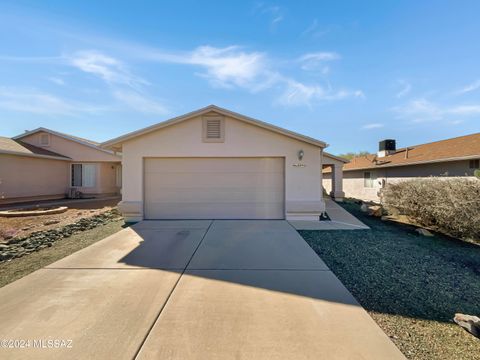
[{"x": 449, "y": 205}]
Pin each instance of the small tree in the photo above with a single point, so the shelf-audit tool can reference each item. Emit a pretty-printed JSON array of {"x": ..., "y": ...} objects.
[{"x": 351, "y": 155}]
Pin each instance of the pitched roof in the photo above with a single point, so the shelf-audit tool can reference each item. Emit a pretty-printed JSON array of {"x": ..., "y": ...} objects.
[
  {"x": 83, "y": 141},
  {"x": 458, "y": 148},
  {"x": 119, "y": 140},
  {"x": 334, "y": 157},
  {"x": 17, "y": 147}
]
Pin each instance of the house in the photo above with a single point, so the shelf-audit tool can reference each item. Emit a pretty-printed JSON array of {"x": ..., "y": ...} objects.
[
  {"x": 332, "y": 175},
  {"x": 364, "y": 177},
  {"x": 44, "y": 164},
  {"x": 217, "y": 164}
]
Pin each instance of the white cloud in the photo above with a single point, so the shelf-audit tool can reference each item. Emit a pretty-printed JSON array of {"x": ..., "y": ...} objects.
[
  {"x": 316, "y": 61},
  {"x": 419, "y": 110},
  {"x": 464, "y": 110},
  {"x": 56, "y": 80},
  {"x": 227, "y": 67},
  {"x": 37, "y": 102},
  {"x": 373, "y": 126},
  {"x": 230, "y": 66},
  {"x": 359, "y": 94},
  {"x": 314, "y": 30},
  {"x": 274, "y": 13},
  {"x": 140, "y": 103},
  {"x": 297, "y": 93},
  {"x": 109, "y": 69},
  {"x": 422, "y": 110},
  {"x": 469, "y": 88},
  {"x": 406, "y": 87},
  {"x": 125, "y": 87}
]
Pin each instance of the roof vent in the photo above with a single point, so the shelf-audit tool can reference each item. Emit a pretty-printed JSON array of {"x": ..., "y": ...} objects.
[
  {"x": 386, "y": 147},
  {"x": 213, "y": 129}
]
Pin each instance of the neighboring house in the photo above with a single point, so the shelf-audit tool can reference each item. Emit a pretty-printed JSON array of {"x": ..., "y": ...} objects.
[
  {"x": 45, "y": 164},
  {"x": 364, "y": 177},
  {"x": 216, "y": 164},
  {"x": 332, "y": 179}
]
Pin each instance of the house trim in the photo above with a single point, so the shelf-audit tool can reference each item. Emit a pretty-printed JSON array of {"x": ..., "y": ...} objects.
[
  {"x": 65, "y": 136},
  {"x": 18, "y": 153},
  {"x": 415, "y": 163},
  {"x": 115, "y": 144}
]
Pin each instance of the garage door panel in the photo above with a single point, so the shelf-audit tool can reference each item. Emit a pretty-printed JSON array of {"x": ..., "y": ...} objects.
[
  {"x": 220, "y": 165},
  {"x": 196, "y": 195},
  {"x": 214, "y": 188},
  {"x": 235, "y": 210},
  {"x": 204, "y": 181}
]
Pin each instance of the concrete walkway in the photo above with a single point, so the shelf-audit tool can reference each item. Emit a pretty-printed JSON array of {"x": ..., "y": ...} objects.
[
  {"x": 340, "y": 219},
  {"x": 190, "y": 290}
]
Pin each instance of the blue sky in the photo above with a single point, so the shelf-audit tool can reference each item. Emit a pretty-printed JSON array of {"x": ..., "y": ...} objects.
[{"x": 346, "y": 72}]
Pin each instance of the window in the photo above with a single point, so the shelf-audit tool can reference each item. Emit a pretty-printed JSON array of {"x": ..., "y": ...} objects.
[
  {"x": 213, "y": 129},
  {"x": 44, "y": 139},
  {"x": 475, "y": 164},
  {"x": 83, "y": 175},
  {"x": 369, "y": 179}
]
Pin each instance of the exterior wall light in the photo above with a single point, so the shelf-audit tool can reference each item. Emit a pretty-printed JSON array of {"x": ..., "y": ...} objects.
[{"x": 300, "y": 155}]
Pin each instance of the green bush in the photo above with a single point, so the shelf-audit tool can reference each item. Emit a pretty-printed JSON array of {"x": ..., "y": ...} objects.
[
  {"x": 477, "y": 173},
  {"x": 449, "y": 205}
]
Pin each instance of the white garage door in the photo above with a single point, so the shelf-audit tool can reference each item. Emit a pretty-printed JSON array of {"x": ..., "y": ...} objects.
[{"x": 214, "y": 188}]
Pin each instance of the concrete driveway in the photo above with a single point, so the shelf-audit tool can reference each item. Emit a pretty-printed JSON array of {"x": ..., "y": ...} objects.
[{"x": 189, "y": 290}]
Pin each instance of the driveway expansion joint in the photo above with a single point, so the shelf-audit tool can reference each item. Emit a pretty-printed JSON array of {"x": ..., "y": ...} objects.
[
  {"x": 170, "y": 294},
  {"x": 252, "y": 269}
]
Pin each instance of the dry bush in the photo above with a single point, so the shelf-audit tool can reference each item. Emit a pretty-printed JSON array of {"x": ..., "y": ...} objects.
[{"x": 449, "y": 205}]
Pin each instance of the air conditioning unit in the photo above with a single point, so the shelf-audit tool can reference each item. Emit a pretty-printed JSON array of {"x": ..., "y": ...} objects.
[{"x": 74, "y": 193}]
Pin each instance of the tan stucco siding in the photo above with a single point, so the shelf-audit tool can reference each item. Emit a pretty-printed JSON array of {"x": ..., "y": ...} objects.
[
  {"x": 72, "y": 149},
  {"x": 327, "y": 182},
  {"x": 353, "y": 182},
  {"x": 302, "y": 184},
  {"x": 105, "y": 179},
  {"x": 22, "y": 177}
]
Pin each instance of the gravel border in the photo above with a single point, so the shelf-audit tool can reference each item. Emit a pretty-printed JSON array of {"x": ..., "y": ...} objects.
[{"x": 411, "y": 285}]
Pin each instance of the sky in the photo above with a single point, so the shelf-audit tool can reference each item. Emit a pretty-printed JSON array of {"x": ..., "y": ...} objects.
[{"x": 349, "y": 73}]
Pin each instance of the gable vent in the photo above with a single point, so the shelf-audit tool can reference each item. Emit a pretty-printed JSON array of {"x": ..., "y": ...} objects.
[{"x": 213, "y": 129}]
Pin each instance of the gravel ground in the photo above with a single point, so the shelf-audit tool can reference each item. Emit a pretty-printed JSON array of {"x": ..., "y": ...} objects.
[
  {"x": 411, "y": 285},
  {"x": 18, "y": 268},
  {"x": 22, "y": 226}
]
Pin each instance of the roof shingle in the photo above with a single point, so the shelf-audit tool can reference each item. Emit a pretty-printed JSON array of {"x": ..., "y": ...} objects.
[
  {"x": 458, "y": 148},
  {"x": 18, "y": 147}
]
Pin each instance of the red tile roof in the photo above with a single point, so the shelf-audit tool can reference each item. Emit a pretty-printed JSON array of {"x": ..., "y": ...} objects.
[{"x": 459, "y": 148}]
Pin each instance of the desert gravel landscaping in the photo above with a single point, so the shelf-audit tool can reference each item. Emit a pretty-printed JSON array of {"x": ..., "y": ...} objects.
[
  {"x": 411, "y": 285},
  {"x": 22, "y": 226},
  {"x": 17, "y": 268}
]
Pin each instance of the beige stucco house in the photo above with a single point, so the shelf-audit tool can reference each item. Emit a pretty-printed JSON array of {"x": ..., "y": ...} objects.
[
  {"x": 364, "y": 177},
  {"x": 216, "y": 164},
  {"x": 44, "y": 164},
  {"x": 332, "y": 175}
]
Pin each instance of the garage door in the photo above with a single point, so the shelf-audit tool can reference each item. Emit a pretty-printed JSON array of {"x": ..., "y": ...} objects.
[{"x": 214, "y": 188}]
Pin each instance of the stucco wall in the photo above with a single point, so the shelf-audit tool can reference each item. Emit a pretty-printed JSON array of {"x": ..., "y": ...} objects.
[
  {"x": 353, "y": 183},
  {"x": 72, "y": 149},
  {"x": 302, "y": 184},
  {"x": 327, "y": 182},
  {"x": 22, "y": 177},
  {"x": 105, "y": 180}
]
